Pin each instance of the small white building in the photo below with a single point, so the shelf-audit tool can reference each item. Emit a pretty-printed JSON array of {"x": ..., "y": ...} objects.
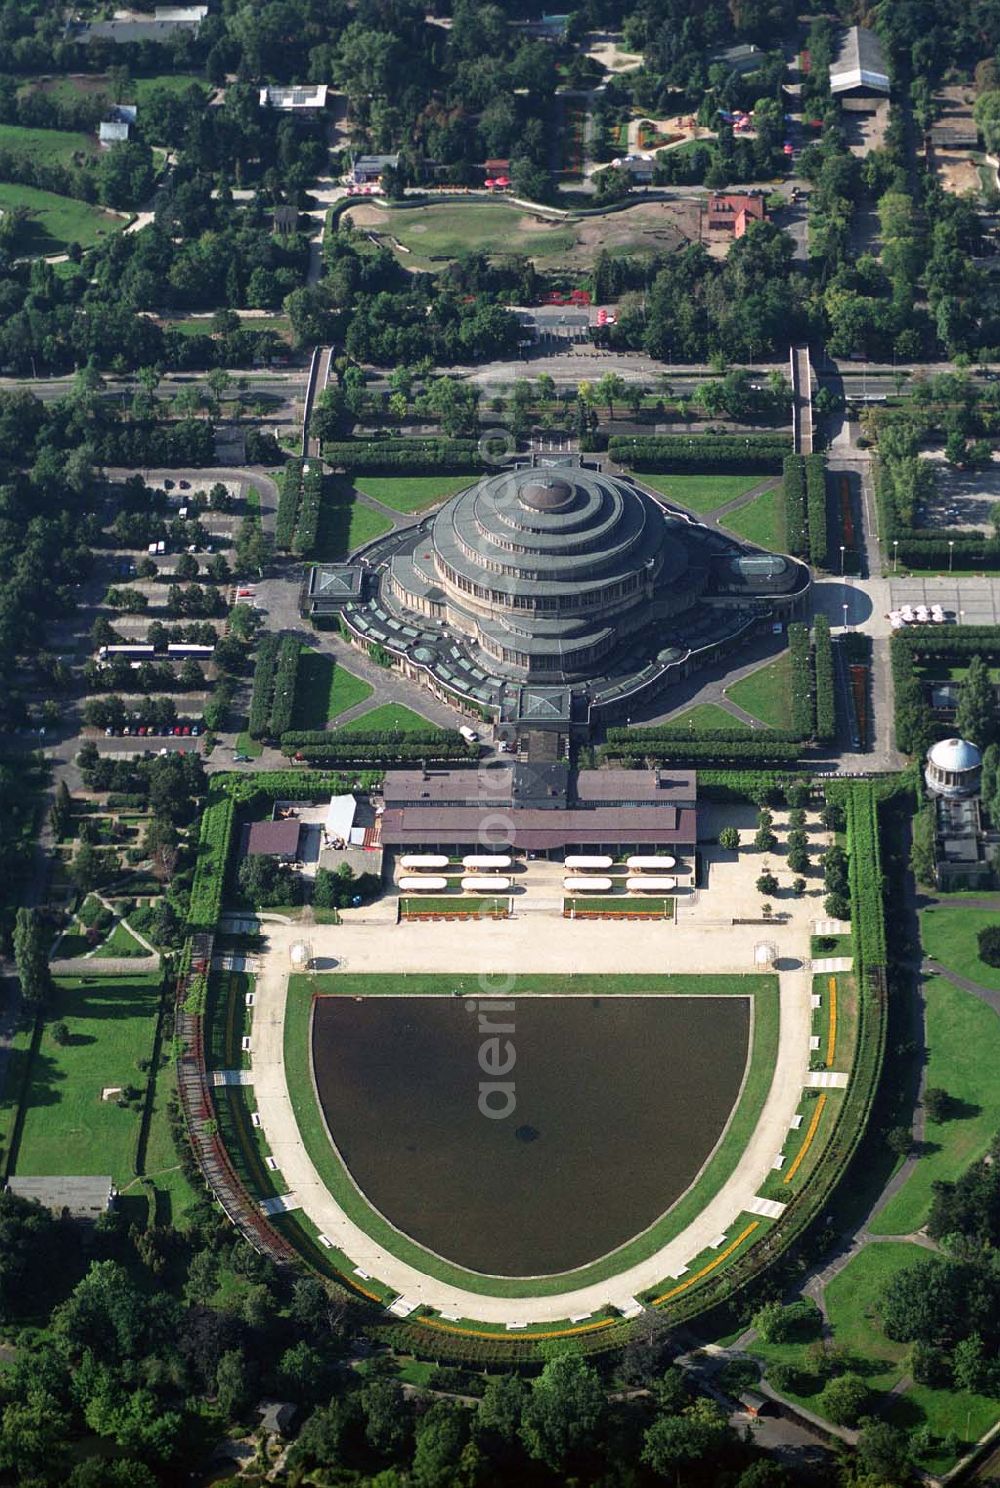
[
  {"x": 113, "y": 132},
  {"x": 953, "y": 771},
  {"x": 860, "y": 68},
  {"x": 309, "y": 98}
]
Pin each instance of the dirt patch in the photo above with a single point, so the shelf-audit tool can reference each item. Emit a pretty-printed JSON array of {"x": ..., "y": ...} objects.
[
  {"x": 607, "y": 51},
  {"x": 365, "y": 215},
  {"x": 956, "y": 173},
  {"x": 659, "y": 225}
]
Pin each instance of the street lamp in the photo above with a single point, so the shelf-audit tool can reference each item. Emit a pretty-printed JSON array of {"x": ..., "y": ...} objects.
[
  {"x": 951, "y": 555},
  {"x": 844, "y": 607},
  {"x": 841, "y": 560},
  {"x": 895, "y": 553}
]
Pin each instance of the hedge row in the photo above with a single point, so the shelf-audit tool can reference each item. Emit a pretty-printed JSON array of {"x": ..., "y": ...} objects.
[
  {"x": 795, "y": 505},
  {"x": 294, "y": 785},
  {"x": 285, "y": 675},
  {"x": 357, "y": 749},
  {"x": 210, "y": 867},
  {"x": 288, "y": 506},
  {"x": 263, "y": 685},
  {"x": 801, "y": 683},
  {"x": 815, "y": 467},
  {"x": 721, "y": 452},
  {"x": 693, "y": 751},
  {"x": 826, "y": 705},
  {"x": 307, "y": 524},
  {"x": 442, "y": 456},
  {"x": 300, "y": 738},
  {"x": 865, "y": 874},
  {"x": 937, "y": 552}
]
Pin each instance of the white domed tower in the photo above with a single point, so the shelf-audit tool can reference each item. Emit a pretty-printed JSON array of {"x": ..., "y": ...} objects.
[{"x": 953, "y": 769}]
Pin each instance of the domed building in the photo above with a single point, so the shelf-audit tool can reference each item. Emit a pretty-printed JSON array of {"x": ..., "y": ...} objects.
[
  {"x": 555, "y": 592},
  {"x": 954, "y": 769}
]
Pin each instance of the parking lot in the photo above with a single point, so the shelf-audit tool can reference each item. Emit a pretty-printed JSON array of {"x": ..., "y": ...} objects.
[
  {"x": 965, "y": 498},
  {"x": 964, "y": 601}
]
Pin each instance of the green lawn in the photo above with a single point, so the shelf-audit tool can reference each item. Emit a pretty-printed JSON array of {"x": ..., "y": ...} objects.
[
  {"x": 708, "y": 716},
  {"x": 390, "y": 717},
  {"x": 632, "y": 904},
  {"x": 949, "y": 936},
  {"x": 48, "y": 146},
  {"x": 140, "y": 88},
  {"x": 67, "y": 1127},
  {"x": 457, "y": 904},
  {"x": 311, "y": 1126},
  {"x": 344, "y": 523},
  {"x": 324, "y": 690},
  {"x": 963, "y": 1043},
  {"x": 852, "y": 1307},
  {"x": 175, "y": 1196},
  {"x": 121, "y": 942},
  {"x": 246, "y": 745},
  {"x": 56, "y": 221},
  {"x": 410, "y": 493},
  {"x": 449, "y": 229},
  {"x": 766, "y": 693},
  {"x": 761, "y": 521},
  {"x": 700, "y": 493}
]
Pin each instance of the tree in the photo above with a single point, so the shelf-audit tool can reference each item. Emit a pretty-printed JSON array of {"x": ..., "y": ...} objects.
[
  {"x": 701, "y": 1432},
  {"x": 885, "y": 1452},
  {"x": 60, "y": 1033},
  {"x": 976, "y": 713},
  {"x": 795, "y": 1323},
  {"x": 442, "y": 1435},
  {"x": 232, "y": 1385},
  {"x": 899, "y": 1140},
  {"x": 501, "y": 1407},
  {"x": 729, "y": 839},
  {"x": 387, "y": 1418},
  {"x": 845, "y": 1398},
  {"x": 564, "y": 1411},
  {"x": 767, "y": 884},
  {"x": 609, "y": 387},
  {"x": 988, "y": 940},
  {"x": 936, "y": 1103},
  {"x": 31, "y": 957}
]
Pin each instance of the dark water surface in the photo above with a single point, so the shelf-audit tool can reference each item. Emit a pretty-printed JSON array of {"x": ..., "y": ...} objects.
[{"x": 619, "y": 1100}]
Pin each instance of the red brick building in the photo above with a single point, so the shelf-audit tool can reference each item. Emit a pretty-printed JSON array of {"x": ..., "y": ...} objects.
[{"x": 734, "y": 211}]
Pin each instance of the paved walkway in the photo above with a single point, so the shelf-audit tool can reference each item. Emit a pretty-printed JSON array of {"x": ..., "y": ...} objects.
[
  {"x": 989, "y": 995},
  {"x": 362, "y": 947}
]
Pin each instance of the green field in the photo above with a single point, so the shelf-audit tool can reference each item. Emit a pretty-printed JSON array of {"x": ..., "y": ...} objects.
[
  {"x": 631, "y": 904},
  {"x": 708, "y": 716},
  {"x": 449, "y": 229},
  {"x": 56, "y": 221},
  {"x": 67, "y": 1127},
  {"x": 949, "y": 936},
  {"x": 761, "y": 521},
  {"x": 324, "y": 690},
  {"x": 852, "y": 1307},
  {"x": 457, "y": 904},
  {"x": 700, "y": 493},
  {"x": 344, "y": 522},
  {"x": 248, "y": 746},
  {"x": 410, "y": 493},
  {"x": 390, "y": 717},
  {"x": 312, "y": 1128},
  {"x": 963, "y": 1044},
  {"x": 767, "y": 693},
  {"x": 47, "y": 146},
  {"x": 69, "y": 89}
]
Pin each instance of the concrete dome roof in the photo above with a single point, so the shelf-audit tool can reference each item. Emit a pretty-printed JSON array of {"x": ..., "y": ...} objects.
[
  {"x": 955, "y": 755},
  {"x": 547, "y": 494}
]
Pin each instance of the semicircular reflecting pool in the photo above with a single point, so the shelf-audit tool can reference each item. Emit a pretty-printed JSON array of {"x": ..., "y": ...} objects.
[{"x": 532, "y": 1136}]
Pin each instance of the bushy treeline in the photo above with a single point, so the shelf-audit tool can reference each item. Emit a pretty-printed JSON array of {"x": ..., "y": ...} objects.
[{"x": 724, "y": 453}]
